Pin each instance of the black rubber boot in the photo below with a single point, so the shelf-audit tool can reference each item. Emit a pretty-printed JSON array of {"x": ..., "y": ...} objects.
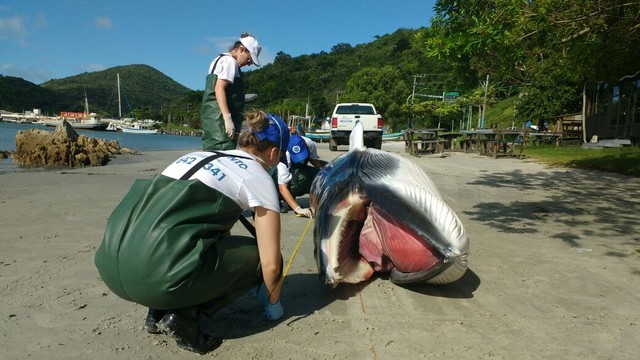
[
  {"x": 153, "y": 316},
  {"x": 284, "y": 208},
  {"x": 184, "y": 327}
]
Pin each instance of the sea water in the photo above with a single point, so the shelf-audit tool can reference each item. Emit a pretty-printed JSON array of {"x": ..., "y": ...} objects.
[{"x": 138, "y": 142}]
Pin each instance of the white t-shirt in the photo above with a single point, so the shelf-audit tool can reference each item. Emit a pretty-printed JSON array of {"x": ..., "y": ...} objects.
[
  {"x": 227, "y": 68},
  {"x": 242, "y": 180},
  {"x": 311, "y": 145},
  {"x": 284, "y": 175}
]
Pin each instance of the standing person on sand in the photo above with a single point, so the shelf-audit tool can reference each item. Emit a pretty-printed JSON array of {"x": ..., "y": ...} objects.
[
  {"x": 168, "y": 246},
  {"x": 223, "y": 99}
]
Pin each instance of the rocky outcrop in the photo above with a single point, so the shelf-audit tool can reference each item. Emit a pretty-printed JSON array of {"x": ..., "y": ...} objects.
[{"x": 63, "y": 147}]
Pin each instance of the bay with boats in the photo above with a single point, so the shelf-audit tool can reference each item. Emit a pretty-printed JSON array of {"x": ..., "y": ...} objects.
[{"x": 135, "y": 141}]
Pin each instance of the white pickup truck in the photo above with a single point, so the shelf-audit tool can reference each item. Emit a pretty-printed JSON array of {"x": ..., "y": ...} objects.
[{"x": 344, "y": 118}]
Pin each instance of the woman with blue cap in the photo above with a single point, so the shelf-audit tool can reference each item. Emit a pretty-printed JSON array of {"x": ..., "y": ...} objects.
[
  {"x": 168, "y": 245},
  {"x": 294, "y": 177}
]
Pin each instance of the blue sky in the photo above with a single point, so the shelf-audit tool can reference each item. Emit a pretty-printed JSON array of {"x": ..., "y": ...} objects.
[{"x": 52, "y": 39}]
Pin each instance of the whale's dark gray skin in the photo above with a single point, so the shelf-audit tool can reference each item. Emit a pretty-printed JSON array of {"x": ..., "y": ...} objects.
[{"x": 379, "y": 212}]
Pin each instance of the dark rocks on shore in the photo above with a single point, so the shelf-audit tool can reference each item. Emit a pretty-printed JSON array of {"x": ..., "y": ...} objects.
[{"x": 63, "y": 147}]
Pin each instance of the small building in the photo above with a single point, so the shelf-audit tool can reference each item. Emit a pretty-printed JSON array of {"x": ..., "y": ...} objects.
[{"x": 612, "y": 110}]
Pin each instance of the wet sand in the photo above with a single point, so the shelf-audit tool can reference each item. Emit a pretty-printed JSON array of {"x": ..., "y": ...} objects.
[{"x": 554, "y": 273}]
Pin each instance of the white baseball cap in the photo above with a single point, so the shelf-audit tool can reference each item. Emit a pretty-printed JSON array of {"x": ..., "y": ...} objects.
[{"x": 251, "y": 44}]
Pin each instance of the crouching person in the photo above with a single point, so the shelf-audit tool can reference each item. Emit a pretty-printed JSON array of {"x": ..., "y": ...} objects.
[
  {"x": 294, "y": 177},
  {"x": 168, "y": 246}
]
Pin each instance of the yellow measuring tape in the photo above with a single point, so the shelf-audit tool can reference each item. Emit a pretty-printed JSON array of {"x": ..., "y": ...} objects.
[{"x": 295, "y": 250}]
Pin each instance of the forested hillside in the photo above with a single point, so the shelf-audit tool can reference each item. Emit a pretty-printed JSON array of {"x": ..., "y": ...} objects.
[
  {"x": 381, "y": 72},
  {"x": 19, "y": 95},
  {"x": 143, "y": 89},
  {"x": 538, "y": 55}
]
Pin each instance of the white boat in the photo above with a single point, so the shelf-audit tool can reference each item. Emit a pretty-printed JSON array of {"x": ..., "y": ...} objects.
[
  {"x": 79, "y": 120},
  {"x": 90, "y": 122},
  {"x": 137, "y": 129},
  {"x": 393, "y": 136},
  {"x": 126, "y": 126},
  {"x": 79, "y": 125},
  {"x": 113, "y": 127}
]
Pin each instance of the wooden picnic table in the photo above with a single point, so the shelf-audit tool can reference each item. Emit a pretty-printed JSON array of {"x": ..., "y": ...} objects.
[
  {"x": 423, "y": 140},
  {"x": 449, "y": 137},
  {"x": 559, "y": 138},
  {"x": 495, "y": 142}
]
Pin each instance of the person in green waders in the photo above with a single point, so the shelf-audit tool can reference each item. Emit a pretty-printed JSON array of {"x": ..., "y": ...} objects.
[
  {"x": 223, "y": 101},
  {"x": 294, "y": 177},
  {"x": 167, "y": 244}
]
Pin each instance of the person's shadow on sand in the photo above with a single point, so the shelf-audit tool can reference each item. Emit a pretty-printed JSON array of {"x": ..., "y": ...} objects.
[{"x": 305, "y": 294}]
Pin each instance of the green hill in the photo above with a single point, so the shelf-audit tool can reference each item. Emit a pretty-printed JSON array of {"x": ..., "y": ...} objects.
[
  {"x": 141, "y": 87},
  {"x": 319, "y": 80},
  {"x": 19, "y": 95}
]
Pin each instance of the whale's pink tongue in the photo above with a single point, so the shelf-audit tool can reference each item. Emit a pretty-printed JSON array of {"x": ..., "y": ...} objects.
[{"x": 386, "y": 242}]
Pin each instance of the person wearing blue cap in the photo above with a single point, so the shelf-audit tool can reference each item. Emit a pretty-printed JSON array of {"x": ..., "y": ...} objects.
[
  {"x": 168, "y": 246},
  {"x": 295, "y": 176},
  {"x": 223, "y": 99}
]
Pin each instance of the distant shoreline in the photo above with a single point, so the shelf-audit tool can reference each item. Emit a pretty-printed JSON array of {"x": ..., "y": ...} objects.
[{"x": 150, "y": 156}]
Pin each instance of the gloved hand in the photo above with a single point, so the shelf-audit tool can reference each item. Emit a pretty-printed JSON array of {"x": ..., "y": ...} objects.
[
  {"x": 303, "y": 212},
  {"x": 273, "y": 311},
  {"x": 229, "y": 128}
]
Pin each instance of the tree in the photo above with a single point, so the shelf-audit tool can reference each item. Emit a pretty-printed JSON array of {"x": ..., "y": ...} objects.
[
  {"x": 518, "y": 42},
  {"x": 384, "y": 88},
  {"x": 342, "y": 47}
]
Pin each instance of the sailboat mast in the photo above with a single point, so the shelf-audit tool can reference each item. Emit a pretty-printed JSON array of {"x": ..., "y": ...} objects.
[
  {"x": 119, "y": 102},
  {"x": 86, "y": 102}
]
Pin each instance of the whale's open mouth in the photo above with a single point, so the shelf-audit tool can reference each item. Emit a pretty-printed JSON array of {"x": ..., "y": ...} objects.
[
  {"x": 368, "y": 239},
  {"x": 379, "y": 212}
]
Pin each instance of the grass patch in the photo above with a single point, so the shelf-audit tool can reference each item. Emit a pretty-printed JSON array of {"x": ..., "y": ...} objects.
[{"x": 622, "y": 160}]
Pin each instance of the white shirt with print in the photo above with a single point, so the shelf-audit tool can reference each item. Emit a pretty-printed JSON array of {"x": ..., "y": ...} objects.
[{"x": 243, "y": 180}]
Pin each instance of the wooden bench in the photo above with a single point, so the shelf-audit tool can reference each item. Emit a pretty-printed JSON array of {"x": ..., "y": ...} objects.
[
  {"x": 494, "y": 142},
  {"x": 423, "y": 140},
  {"x": 425, "y": 145},
  {"x": 506, "y": 147}
]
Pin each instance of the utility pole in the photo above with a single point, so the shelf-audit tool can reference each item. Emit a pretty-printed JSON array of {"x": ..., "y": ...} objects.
[
  {"x": 484, "y": 105},
  {"x": 413, "y": 96},
  {"x": 431, "y": 79},
  {"x": 416, "y": 83}
]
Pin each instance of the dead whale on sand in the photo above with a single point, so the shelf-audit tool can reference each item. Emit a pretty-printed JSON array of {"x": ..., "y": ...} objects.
[{"x": 379, "y": 212}]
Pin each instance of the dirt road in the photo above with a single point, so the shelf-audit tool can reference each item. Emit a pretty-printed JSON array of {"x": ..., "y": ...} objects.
[{"x": 554, "y": 274}]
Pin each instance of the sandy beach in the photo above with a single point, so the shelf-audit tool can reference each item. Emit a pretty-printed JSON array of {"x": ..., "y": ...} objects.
[{"x": 554, "y": 273}]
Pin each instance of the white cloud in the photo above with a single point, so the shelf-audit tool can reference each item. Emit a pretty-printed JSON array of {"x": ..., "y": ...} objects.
[
  {"x": 35, "y": 75},
  {"x": 41, "y": 20},
  {"x": 218, "y": 44},
  {"x": 94, "y": 67},
  {"x": 202, "y": 49},
  {"x": 103, "y": 22},
  {"x": 13, "y": 29}
]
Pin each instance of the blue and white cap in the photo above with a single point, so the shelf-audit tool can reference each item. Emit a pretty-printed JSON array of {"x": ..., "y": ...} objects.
[
  {"x": 278, "y": 133},
  {"x": 298, "y": 149}
]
